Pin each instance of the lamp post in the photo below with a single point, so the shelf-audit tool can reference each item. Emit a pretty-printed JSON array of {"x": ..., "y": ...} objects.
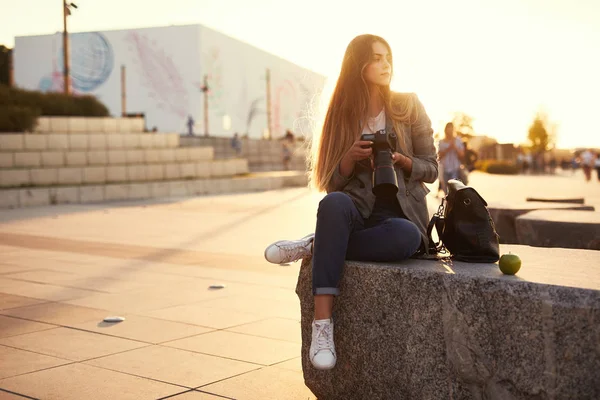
[
  {"x": 205, "y": 89},
  {"x": 66, "y": 71}
]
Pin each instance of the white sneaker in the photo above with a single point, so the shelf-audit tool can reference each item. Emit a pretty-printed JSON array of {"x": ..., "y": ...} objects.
[
  {"x": 322, "y": 349},
  {"x": 285, "y": 251}
]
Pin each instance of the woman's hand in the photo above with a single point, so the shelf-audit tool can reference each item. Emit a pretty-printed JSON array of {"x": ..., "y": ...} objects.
[
  {"x": 354, "y": 154},
  {"x": 404, "y": 162}
]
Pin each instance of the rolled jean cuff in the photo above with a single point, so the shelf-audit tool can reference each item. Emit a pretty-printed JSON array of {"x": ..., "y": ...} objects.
[{"x": 326, "y": 290}]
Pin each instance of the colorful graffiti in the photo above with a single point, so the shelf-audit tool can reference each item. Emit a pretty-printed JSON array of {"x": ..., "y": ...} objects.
[
  {"x": 92, "y": 62},
  {"x": 283, "y": 107},
  {"x": 160, "y": 76}
]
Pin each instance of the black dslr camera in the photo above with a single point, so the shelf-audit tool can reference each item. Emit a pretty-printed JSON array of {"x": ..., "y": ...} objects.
[{"x": 385, "y": 181}]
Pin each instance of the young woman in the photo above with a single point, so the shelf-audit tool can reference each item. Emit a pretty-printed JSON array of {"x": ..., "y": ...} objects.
[{"x": 352, "y": 222}]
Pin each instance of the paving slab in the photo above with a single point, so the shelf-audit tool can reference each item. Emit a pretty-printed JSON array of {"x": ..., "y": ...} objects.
[
  {"x": 8, "y": 301},
  {"x": 70, "y": 344},
  {"x": 272, "y": 328},
  {"x": 80, "y": 381},
  {"x": 195, "y": 395},
  {"x": 143, "y": 329},
  {"x": 265, "y": 384},
  {"x": 17, "y": 362},
  {"x": 57, "y": 313},
  {"x": 175, "y": 366},
  {"x": 238, "y": 346},
  {"x": 16, "y": 326},
  {"x": 197, "y": 314}
]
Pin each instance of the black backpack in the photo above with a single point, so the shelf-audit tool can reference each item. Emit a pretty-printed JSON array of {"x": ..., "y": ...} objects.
[{"x": 465, "y": 227}]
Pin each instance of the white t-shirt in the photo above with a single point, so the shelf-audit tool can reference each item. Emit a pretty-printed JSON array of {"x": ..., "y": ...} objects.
[
  {"x": 451, "y": 162},
  {"x": 375, "y": 124},
  {"x": 586, "y": 158}
]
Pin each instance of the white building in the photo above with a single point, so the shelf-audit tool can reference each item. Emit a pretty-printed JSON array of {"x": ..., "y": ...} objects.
[{"x": 164, "y": 75}]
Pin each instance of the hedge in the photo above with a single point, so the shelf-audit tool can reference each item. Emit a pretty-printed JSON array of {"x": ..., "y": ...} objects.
[
  {"x": 19, "y": 106},
  {"x": 497, "y": 167}
]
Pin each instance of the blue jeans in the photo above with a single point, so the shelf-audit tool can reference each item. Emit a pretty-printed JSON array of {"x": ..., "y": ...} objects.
[{"x": 343, "y": 234}]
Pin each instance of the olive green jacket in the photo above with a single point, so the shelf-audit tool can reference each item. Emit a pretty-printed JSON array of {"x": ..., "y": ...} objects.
[{"x": 411, "y": 190}]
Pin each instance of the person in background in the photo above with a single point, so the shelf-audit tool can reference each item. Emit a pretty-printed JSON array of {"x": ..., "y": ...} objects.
[
  {"x": 451, "y": 151},
  {"x": 236, "y": 144},
  {"x": 190, "y": 125}
]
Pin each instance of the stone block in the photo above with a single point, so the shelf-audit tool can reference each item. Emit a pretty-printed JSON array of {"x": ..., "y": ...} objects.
[
  {"x": 188, "y": 170},
  {"x": 44, "y": 176},
  {"x": 172, "y": 139},
  {"x": 172, "y": 171},
  {"x": 43, "y": 125},
  {"x": 77, "y": 125},
  {"x": 430, "y": 330},
  {"x": 504, "y": 215},
  {"x": 135, "y": 156},
  {"x": 147, "y": 140},
  {"x": 7, "y": 160},
  {"x": 70, "y": 176},
  {"x": 28, "y": 159},
  {"x": 76, "y": 158},
  {"x": 34, "y": 197},
  {"x": 139, "y": 191},
  {"x": 116, "y": 192},
  {"x": 181, "y": 154},
  {"x": 151, "y": 156},
  {"x": 53, "y": 158},
  {"x": 64, "y": 195},
  {"x": 14, "y": 177},
  {"x": 95, "y": 124},
  {"x": 159, "y": 189},
  {"x": 117, "y": 157},
  {"x": 241, "y": 166},
  {"x": 116, "y": 173},
  {"x": 159, "y": 141},
  {"x": 9, "y": 198},
  {"x": 217, "y": 168},
  {"x": 203, "y": 169},
  {"x": 178, "y": 189},
  {"x": 155, "y": 172},
  {"x": 91, "y": 194},
  {"x": 123, "y": 125},
  {"x": 167, "y": 155},
  {"x": 12, "y": 142},
  {"x": 132, "y": 141},
  {"x": 559, "y": 228},
  {"x": 197, "y": 187},
  {"x": 115, "y": 142},
  {"x": 136, "y": 173},
  {"x": 94, "y": 175},
  {"x": 97, "y": 141},
  {"x": 200, "y": 154},
  {"x": 78, "y": 142},
  {"x": 110, "y": 125},
  {"x": 136, "y": 124},
  {"x": 57, "y": 141},
  {"x": 35, "y": 142},
  {"x": 97, "y": 157},
  {"x": 59, "y": 124}
]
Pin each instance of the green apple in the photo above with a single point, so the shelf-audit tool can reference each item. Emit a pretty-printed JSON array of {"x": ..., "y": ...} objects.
[{"x": 510, "y": 264}]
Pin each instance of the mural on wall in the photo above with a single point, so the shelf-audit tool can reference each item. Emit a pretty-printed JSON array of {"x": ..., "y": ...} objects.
[
  {"x": 214, "y": 72},
  {"x": 284, "y": 107},
  {"x": 92, "y": 62},
  {"x": 160, "y": 75}
]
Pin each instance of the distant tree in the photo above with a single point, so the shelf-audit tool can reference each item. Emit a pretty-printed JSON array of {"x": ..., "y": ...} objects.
[
  {"x": 463, "y": 125},
  {"x": 542, "y": 133},
  {"x": 5, "y": 54}
]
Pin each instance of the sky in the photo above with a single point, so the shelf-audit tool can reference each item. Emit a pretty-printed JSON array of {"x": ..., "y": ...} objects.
[{"x": 499, "y": 61}]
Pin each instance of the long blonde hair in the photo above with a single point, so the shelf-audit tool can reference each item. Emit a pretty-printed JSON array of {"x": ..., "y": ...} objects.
[{"x": 348, "y": 106}]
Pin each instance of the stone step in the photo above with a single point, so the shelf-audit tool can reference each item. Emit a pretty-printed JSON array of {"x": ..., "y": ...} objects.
[
  {"x": 559, "y": 228},
  {"x": 14, "y": 178},
  {"x": 20, "y": 159},
  {"x": 504, "y": 215},
  {"x": 421, "y": 329},
  {"x": 90, "y": 141},
  {"x": 29, "y": 197},
  {"x": 89, "y": 124}
]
